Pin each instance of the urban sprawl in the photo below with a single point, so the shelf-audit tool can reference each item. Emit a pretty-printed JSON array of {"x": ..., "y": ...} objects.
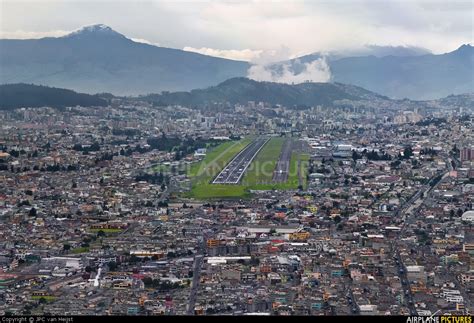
[{"x": 135, "y": 209}]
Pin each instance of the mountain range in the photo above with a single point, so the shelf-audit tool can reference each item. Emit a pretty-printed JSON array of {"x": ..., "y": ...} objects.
[
  {"x": 98, "y": 59},
  {"x": 240, "y": 90},
  {"x": 237, "y": 90},
  {"x": 14, "y": 96}
]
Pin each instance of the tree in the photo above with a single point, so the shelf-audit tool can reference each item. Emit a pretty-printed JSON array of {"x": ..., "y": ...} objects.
[
  {"x": 32, "y": 212},
  {"x": 101, "y": 233},
  {"x": 148, "y": 204},
  {"x": 133, "y": 259},
  {"x": 407, "y": 152},
  {"x": 112, "y": 265},
  {"x": 355, "y": 155},
  {"x": 66, "y": 247},
  {"x": 148, "y": 281}
]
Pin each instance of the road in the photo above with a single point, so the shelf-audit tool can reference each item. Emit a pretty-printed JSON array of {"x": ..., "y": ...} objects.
[
  {"x": 282, "y": 169},
  {"x": 355, "y": 309},
  {"x": 235, "y": 169},
  {"x": 195, "y": 283},
  {"x": 407, "y": 212},
  {"x": 198, "y": 260}
]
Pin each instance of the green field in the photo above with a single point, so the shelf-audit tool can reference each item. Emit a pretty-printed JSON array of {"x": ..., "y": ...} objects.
[
  {"x": 80, "y": 250},
  {"x": 257, "y": 177},
  {"x": 216, "y": 159},
  {"x": 304, "y": 166},
  {"x": 203, "y": 172},
  {"x": 106, "y": 230},
  {"x": 261, "y": 169},
  {"x": 46, "y": 298}
]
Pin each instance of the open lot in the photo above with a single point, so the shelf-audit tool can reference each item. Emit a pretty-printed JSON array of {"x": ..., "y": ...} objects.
[
  {"x": 280, "y": 174},
  {"x": 235, "y": 169},
  {"x": 262, "y": 167},
  {"x": 258, "y": 176},
  {"x": 216, "y": 159}
]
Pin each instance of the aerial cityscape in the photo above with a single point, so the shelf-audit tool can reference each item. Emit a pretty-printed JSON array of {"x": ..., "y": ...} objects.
[{"x": 139, "y": 180}]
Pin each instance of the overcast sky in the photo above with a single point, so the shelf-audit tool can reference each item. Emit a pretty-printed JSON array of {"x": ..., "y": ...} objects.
[{"x": 252, "y": 30}]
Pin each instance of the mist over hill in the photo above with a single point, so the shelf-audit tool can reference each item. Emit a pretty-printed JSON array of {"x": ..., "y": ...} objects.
[{"x": 414, "y": 74}]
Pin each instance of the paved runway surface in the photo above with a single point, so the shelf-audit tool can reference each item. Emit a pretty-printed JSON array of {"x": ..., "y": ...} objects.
[
  {"x": 280, "y": 175},
  {"x": 233, "y": 172}
]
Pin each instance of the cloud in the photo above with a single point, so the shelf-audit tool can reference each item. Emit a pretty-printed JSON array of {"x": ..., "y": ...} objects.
[
  {"x": 315, "y": 71},
  {"x": 251, "y": 26},
  {"x": 21, "y": 34},
  {"x": 235, "y": 54},
  {"x": 257, "y": 56},
  {"x": 144, "y": 41}
]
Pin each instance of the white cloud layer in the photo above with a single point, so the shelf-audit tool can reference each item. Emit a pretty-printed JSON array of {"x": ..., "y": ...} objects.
[
  {"x": 144, "y": 41},
  {"x": 21, "y": 34},
  {"x": 315, "y": 71},
  {"x": 239, "y": 55},
  {"x": 258, "y": 56},
  {"x": 249, "y": 29}
]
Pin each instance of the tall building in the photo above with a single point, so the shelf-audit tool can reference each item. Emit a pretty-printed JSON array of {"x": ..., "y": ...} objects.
[{"x": 467, "y": 154}]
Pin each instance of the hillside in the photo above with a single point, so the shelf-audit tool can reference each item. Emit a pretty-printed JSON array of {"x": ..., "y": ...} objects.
[
  {"x": 418, "y": 77},
  {"x": 241, "y": 90},
  {"x": 27, "y": 95},
  {"x": 99, "y": 59}
]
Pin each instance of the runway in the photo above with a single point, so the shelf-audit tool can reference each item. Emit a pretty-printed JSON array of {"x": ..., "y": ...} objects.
[
  {"x": 235, "y": 169},
  {"x": 282, "y": 169}
]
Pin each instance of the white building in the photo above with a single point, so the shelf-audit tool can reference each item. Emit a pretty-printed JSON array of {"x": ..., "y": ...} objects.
[{"x": 468, "y": 216}]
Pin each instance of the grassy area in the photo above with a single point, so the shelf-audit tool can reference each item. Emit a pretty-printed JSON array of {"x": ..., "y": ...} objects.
[
  {"x": 106, "y": 230},
  {"x": 80, "y": 250},
  {"x": 216, "y": 159},
  {"x": 304, "y": 158},
  {"x": 258, "y": 176},
  {"x": 261, "y": 169}
]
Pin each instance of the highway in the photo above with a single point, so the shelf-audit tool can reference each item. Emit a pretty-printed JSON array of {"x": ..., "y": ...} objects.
[
  {"x": 195, "y": 283},
  {"x": 198, "y": 260},
  {"x": 235, "y": 169},
  {"x": 282, "y": 169},
  {"x": 407, "y": 212}
]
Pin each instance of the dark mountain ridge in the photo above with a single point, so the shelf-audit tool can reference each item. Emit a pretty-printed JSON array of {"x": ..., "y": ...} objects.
[
  {"x": 21, "y": 95},
  {"x": 98, "y": 59},
  {"x": 241, "y": 90}
]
